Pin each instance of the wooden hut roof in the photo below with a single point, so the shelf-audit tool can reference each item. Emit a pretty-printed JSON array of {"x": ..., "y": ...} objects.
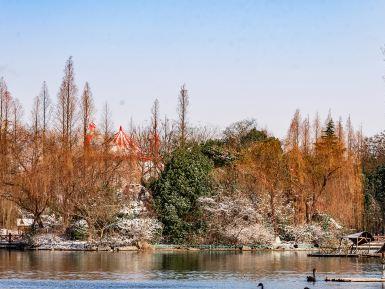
[{"x": 360, "y": 238}]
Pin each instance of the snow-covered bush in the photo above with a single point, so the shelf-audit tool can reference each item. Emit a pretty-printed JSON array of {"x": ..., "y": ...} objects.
[
  {"x": 326, "y": 222},
  {"x": 51, "y": 221},
  {"x": 148, "y": 229},
  {"x": 78, "y": 230},
  {"x": 235, "y": 220},
  {"x": 255, "y": 234},
  {"x": 134, "y": 220},
  {"x": 55, "y": 242},
  {"x": 243, "y": 220},
  {"x": 321, "y": 231}
]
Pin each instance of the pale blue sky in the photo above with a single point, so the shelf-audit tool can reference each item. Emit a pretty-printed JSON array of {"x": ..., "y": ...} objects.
[{"x": 239, "y": 59}]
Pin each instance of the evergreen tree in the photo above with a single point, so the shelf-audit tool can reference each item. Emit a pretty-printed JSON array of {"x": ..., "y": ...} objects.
[
  {"x": 330, "y": 129},
  {"x": 184, "y": 179}
]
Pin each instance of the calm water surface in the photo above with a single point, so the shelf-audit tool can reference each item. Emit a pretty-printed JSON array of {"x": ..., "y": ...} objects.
[{"x": 91, "y": 270}]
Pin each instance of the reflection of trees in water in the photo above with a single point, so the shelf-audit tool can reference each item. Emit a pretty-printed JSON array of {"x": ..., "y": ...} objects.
[
  {"x": 96, "y": 265},
  {"x": 181, "y": 261}
]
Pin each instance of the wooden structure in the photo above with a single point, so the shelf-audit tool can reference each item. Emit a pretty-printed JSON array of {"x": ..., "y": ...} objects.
[
  {"x": 24, "y": 224},
  {"x": 359, "y": 239},
  {"x": 362, "y": 244},
  {"x": 12, "y": 241},
  {"x": 11, "y": 238}
]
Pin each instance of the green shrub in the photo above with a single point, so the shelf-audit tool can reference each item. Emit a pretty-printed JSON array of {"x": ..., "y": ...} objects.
[
  {"x": 186, "y": 177},
  {"x": 78, "y": 230}
]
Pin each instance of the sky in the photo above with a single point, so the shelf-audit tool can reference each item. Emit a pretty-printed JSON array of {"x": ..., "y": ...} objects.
[{"x": 238, "y": 59}]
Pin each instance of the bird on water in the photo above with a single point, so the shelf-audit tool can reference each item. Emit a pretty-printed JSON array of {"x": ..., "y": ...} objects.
[
  {"x": 261, "y": 285},
  {"x": 311, "y": 278}
]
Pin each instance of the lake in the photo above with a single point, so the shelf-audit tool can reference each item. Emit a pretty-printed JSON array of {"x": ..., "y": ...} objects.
[{"x": 91, "y": 270}]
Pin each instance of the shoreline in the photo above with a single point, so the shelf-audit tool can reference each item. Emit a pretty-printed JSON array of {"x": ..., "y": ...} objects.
[{"x": 159, "y": 247}]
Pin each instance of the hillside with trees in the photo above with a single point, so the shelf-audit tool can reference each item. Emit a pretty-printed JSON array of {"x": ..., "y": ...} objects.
[{"x": 66, "y": 167}]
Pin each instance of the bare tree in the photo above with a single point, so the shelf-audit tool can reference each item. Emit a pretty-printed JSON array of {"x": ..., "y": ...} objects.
[
  {"x": 35, "y": 116},
  {"x": 32, "y": 181},
  {"x": 95, "y": 199},
  {"x": 3, "y": 89},
  {"x": 87, "y": 107},
  {"x": 168, "y": 136},
  {"x": 17, "y": 112},
  {"x": 182, "y": 111},
  {"x": 350, "y": 136},
  {"x": 6, "y": 106},
  {"x": 106, "y": 124},
  {"x": 45, "y": 103},
  {"x": 317, "y": 127},
  {"x": 40, "y": 114},
  {"x": 155, "y": 117},
  {"x": 305, "y": 132},
  {"x": 3, "y": 132},
  {"x": 294, "y": 131},
  {"x": 66, "y": 114},
  {"x": 155, "y": 140},
  {"x": 340, "y": 130}
]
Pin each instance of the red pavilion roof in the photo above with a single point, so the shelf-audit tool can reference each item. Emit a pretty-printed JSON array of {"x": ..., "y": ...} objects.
[{"x": 124, "y": 143}]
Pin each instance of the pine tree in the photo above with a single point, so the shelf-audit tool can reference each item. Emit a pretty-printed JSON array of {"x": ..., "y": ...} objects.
[{"x": 330, "y": 130}]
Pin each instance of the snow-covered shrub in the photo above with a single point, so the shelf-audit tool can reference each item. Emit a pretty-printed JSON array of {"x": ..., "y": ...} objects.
[
  {"x": 44, "y": 239},
  {"x": 148, "y": 229},
  {"x": 135, "y": 221},
  {"x": 323, "y": 231},
  {"x": 326, "y": 222},
  {"x": 50, "y": 241},
  {"x": 51, "y": 221},
  {"x": 255, "y": 234},
  {"x": 235, "y": 220},
  {"x": 248, "y": 221},
  {"x": 78, "y": 230}
]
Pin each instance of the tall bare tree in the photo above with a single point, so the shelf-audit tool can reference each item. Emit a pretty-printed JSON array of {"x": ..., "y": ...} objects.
[
  {"x": 35, "y": 116},
  {"x": 294, "y": 130},
  {"x": 155, "y": 117},
  {"x": 317, "y": 127},
  {"x": 46, "y": 108},
  {"x": 349, "y": 136},
  {"x": 3, "y": 89},
  {"x": 106, "y": 124},
  {"x": 6, "y": 107},
  {"x": 66, "y": 114},
  {"x": 155, "y": 139},
  {"x": 17, "y": 112},
  {"x": 87, "y": 107},
  {"x": 168, "y": 136},
  {"x": 183, "y": 103},
  {"x": 305, "y": 132},
  {"x": 340, "y": 130}
]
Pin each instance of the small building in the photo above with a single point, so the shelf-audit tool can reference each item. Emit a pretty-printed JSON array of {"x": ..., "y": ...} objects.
[
  {"x": 23, "y": 224},
  {"x": 360, "y": 238},
  {"x": 361, "y": 241}
]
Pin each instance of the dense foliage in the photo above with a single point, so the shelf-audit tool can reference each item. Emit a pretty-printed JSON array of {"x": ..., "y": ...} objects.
[
  {"x": 374, "y": 171},
  {"x": 186, "y": 177}
]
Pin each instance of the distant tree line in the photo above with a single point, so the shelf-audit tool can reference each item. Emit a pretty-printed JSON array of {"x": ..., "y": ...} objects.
[{"x": 49, "y": 166}]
